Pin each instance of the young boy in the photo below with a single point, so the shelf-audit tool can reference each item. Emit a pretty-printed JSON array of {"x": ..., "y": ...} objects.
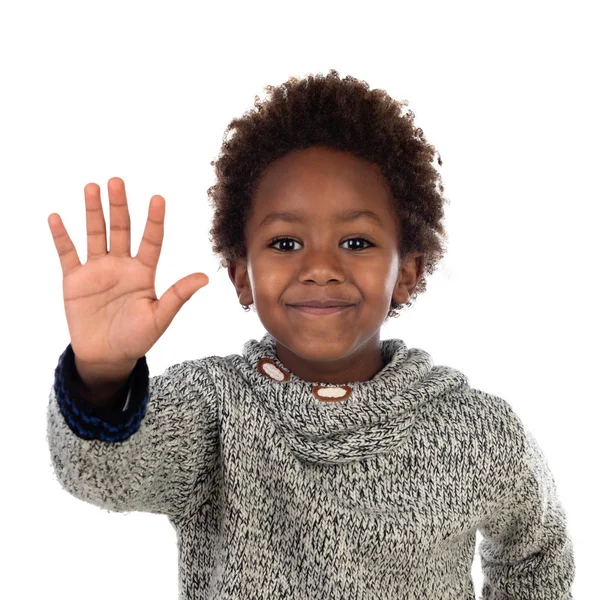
[{"x": 323, "y": 462}]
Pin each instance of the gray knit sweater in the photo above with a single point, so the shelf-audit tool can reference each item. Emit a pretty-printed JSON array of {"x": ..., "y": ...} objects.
[{"x": 282, "y": 488}]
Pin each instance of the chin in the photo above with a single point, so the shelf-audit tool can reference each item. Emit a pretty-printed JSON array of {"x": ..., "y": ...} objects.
[{"x": 321, "y": 346}]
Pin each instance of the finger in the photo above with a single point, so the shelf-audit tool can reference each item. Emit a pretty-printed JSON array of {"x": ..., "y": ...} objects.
[
  {"x": 168, "y": 306},
  {"x": 67, "y": 253},
  {"x": 119, "y": 218},
  {"x": 150, "y": 246},
  {"x": 96, "y": 224}
]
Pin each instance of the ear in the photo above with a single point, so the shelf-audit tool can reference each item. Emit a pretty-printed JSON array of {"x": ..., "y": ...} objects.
[
  {"x": 410, "y": 273},
  {"x": 238, "y": 274}
]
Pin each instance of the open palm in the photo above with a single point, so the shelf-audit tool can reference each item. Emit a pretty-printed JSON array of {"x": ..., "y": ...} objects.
[{"x": 112, "y": 311}]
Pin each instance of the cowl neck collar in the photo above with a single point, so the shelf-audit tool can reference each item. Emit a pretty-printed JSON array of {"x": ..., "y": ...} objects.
[{"x": 375, "y": 416}]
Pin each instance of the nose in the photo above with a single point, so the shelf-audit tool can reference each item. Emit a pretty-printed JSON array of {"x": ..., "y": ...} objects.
[{"x": 321, "y": 265}]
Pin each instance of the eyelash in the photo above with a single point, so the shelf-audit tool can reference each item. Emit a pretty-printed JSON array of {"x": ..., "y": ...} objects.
[{"x": 282, "y": 238}]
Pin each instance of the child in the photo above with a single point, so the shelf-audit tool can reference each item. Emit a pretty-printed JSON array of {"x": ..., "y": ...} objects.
[{"x": 323, "y": 462}]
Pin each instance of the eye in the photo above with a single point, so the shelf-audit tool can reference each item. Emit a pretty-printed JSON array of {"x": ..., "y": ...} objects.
[{"x": 287, "y": 239}]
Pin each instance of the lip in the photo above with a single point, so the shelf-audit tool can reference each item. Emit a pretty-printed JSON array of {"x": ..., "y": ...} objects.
[{"x": 317, "y": 310}]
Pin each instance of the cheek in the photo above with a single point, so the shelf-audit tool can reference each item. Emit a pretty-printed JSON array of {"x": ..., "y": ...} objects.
[
  {"x": 380, "y": 279},
  {"x": 378, "y": 275},
  {"x": 266, "y": 282}
]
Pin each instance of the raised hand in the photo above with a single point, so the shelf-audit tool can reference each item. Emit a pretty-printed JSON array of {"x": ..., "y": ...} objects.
[{"x": 114, "y": 316}]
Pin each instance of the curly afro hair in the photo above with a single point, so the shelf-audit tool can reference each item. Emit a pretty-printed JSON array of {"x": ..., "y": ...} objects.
[{"x": 342, "y": 114}]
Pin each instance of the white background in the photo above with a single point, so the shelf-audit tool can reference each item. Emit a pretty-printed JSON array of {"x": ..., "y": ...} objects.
[{"x": 145, "y": 90}]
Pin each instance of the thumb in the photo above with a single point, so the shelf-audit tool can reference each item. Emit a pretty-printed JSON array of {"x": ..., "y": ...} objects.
[{"x": 174, "y": 298}]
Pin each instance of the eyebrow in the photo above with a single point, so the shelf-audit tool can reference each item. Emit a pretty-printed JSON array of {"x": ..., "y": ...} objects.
[{"x": 291, "y": 216}]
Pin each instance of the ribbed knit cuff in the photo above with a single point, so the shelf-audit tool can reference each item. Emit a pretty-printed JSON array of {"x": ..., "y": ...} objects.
[{"x": 91, "y": 422}]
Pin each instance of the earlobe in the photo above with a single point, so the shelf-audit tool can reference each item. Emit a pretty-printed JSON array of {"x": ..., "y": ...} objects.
[{"x": 398, "y": 296}]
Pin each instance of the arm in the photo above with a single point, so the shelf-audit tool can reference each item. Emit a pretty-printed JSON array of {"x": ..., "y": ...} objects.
[
  {"x": 527, "y": 551},
  {"x": 101, "y": 388},
  {"x": 154, "y": 455}
]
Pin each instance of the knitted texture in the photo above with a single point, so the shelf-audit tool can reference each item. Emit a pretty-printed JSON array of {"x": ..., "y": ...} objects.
[{"x": 274, "y": 493}]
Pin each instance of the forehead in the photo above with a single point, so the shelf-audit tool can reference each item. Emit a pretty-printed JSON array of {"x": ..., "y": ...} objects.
[{"x": 321, "y": 180}]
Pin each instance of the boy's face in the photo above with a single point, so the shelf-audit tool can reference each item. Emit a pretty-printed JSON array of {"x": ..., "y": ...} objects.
[{"x": 322, "y": 261}]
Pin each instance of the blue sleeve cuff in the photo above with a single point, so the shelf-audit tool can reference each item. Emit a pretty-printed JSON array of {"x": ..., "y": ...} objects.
[{"x": 91, "y": 422}]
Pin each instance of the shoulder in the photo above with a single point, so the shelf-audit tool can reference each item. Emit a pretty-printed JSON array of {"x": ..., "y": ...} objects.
[
  {"x": 504, "y": 437},
  {"x": 209, "y": 369},
  {"x": 192, "y": 378},
  {"x": 491, "y": 406}
]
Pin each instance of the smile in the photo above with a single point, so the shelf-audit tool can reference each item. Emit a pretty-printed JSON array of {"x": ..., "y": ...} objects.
[{"x": 316, "y": 310}]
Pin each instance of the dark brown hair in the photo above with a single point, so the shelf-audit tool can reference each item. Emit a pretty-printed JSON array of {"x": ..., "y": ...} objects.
[{"x": 345, "y": 115}]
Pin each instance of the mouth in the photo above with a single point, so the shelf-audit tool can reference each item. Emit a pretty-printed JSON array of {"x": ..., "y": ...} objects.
[{"x": 317, "y": 310}]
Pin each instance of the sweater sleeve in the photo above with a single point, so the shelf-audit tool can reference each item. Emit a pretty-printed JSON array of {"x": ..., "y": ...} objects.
[
  {"x": 153, "y": 452},
  {"x": 527, "y": 551}
]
